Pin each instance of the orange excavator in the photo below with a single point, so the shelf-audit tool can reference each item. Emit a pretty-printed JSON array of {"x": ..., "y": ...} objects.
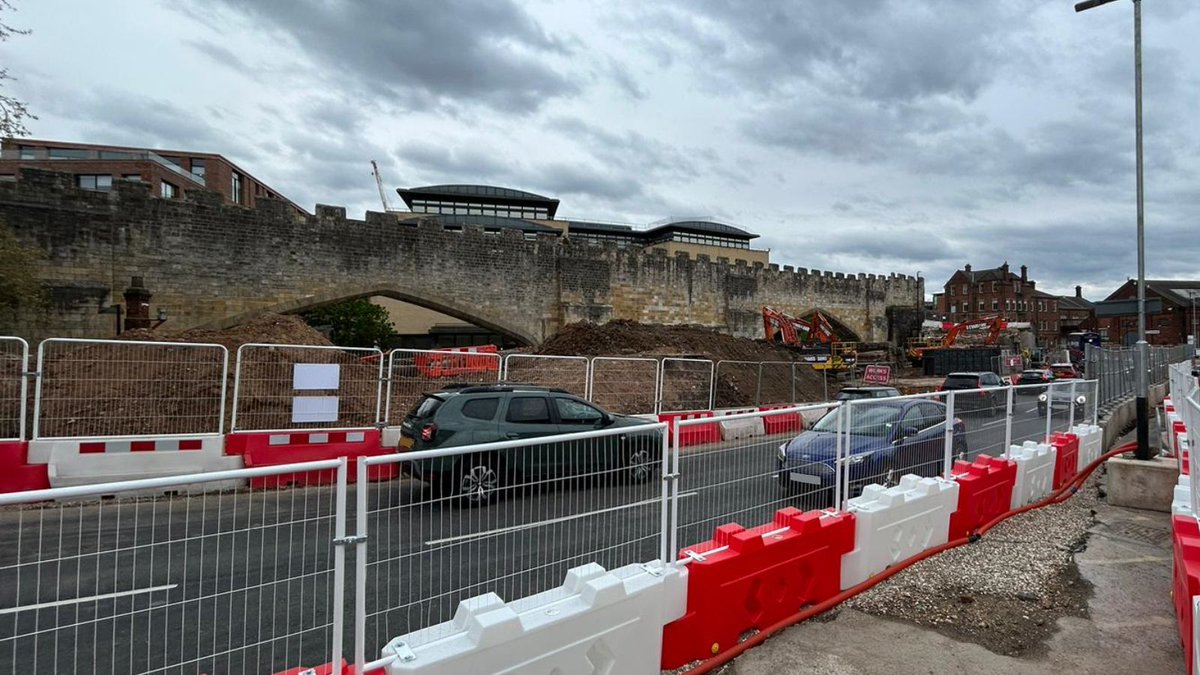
[
  {"x": 995, "y": 324},
  {"x": 785, "y": 329}
]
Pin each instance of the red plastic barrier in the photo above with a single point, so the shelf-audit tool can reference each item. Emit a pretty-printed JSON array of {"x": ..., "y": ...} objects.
[
  {"x": 984, "y": 492},
  {"x": 458, "y": 361},
  {"x": 1067, "y": 461},
  {"x": 328, "y": 669},
  {"x": 757, "y": 582},
  {"x": 783, "y": 423},
  {"x": 16, "y": 475},
  {"x": 696, "y": 434},
  {"x": 289, "y": 447},
  {"x": 1185, "y": 535}
]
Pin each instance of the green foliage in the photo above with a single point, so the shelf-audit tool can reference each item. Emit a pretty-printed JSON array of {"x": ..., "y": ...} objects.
[
  {"x": 21, "y": 292},
  {"x": 354, "y": 323}
]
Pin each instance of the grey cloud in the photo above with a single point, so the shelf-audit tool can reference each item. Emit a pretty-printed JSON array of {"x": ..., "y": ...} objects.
[{"x": 463, "y": 51}]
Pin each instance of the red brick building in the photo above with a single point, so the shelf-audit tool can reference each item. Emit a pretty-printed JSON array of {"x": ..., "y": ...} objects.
[
  {"x": 971, "y": 293},
  {"x": 1177, "y": 319},
  {"x": 170, "y": 173}
]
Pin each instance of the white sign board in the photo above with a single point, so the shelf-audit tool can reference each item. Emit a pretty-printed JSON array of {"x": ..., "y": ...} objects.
[
  {"x": 314, "y": 409},
  {"x": 310, "y": 376}
]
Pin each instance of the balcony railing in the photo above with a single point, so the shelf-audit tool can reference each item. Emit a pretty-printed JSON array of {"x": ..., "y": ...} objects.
[{"x": 58, "y": 155}]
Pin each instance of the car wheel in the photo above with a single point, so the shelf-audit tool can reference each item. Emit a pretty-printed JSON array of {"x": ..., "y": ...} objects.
[
  {"x": 478, "y": 480},
  {"x": 639, "y": 462}
]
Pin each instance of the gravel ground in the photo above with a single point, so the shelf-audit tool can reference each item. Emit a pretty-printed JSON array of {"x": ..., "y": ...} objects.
[{"x": 1004, "y": 592}]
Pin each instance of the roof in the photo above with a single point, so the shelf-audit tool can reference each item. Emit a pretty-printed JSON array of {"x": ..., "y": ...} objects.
[
  {"x": 1072, "y": 302},
  {"x": 703, "y": 227},
  {"x": 1178, "y": 291},
  {"x": 612, "y": 228},
  {"x": 992, "y": 274},
  {"x": 490, "y": 222},
  {"x": 489, "y": 194}
]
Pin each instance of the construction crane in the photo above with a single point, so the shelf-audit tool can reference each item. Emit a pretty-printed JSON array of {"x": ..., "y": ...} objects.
[{"x": 379, "y": 184}]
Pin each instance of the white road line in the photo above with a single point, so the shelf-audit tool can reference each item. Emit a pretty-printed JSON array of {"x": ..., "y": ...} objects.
[
  {"x": 526, "y": 526},
  {"x": 1031, "y": 410},
  {"x": 991, "y": 424},
  {"x": 75, "y": 601}
]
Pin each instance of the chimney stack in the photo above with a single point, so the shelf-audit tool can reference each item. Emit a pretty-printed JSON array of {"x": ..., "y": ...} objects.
[
  {"x": 1004, "y": 268},
  {"x": 1024, "y": 273},
  {"x": 1079, "y": 291},
  {"x": 967, "y": 268}
]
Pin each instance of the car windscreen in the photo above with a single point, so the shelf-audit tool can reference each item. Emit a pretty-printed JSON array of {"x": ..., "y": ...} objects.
[
  {"x": 962, "y": 382},
  {"x": 426, "y": 407},
  {"x": 866, "y": 420}
]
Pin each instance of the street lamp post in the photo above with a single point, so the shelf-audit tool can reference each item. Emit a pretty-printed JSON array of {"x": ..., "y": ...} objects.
[{"x": 1142, "y": 348}]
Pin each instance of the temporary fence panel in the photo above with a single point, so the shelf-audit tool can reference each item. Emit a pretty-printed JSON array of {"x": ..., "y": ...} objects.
[
  {"x": 508, "y": 518},
  {"x": 735, "y": 384},
  {"x": 1189, "y": 408},
  {"x": 624, "y": 385},
  {"x": 246, "y": 581},
  {"x": 14, "y": 364},
  {"x": 685, "y": 385},
  {"x": 283, "y": 387},
  {"x": 412, "y": 372},
  {"x": 563, "y": 372},
  {"x": 745, "y": 480},
  {"x": 101, "y": 388},
  {"x": 981, "y": 418},
  {"x": 777, "y": 382}
]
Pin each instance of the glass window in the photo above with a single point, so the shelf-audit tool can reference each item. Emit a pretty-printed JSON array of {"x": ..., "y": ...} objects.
[
  {"x": 481, "y": 408},
  {"x": 8, "y": 178},
  {"x": 116, "y": 154},
  {"x": 235, "y": 191},
  {"x": 198, "y": 167},
  {"x": 28, "y": 152},
  {"x": 94, "y": 181},
  {"x": 67, "y": 153},
  {"x": 168, "y": 191},
  {"x": 137, "y": 178},
  {"x": 995, "y": 304},
  {"x": 528, "y": 410},
  {"x": 571, "y": 411},
  {"x": 426, "y": 407}
]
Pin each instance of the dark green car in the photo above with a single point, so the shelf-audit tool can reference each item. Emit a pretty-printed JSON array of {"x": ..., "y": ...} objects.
[{"x": 472, "y": 415}]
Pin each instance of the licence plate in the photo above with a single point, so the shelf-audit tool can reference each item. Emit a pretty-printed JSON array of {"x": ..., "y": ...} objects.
[
  {"x": 406, "y": 443},
  {"x": 805, "y": 478}
]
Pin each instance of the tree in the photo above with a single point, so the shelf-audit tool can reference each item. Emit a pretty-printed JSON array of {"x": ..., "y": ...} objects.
[
  {"x": 13, "y": 111},
  {"x": 353, "y": 323},
  {"x": 21, "y": 292}
]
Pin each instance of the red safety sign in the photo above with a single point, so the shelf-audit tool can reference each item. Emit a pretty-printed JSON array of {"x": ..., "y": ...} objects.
[{"x": 877, "y": 374}]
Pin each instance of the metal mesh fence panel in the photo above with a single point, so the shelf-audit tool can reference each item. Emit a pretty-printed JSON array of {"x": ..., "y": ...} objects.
[
  {"x": 569, "y": 373},
  {"x": 281, "y": 387},
  {"x": 628, "y": 386},
  {"x": 890, "y": 438},
  {"x": 685, "y": 384},
  {"x": 412, "y": 372},
  {"x": 777, "y": 383},
  {"x": 125, "y": 388},
  {"x": 14, "y": 362},
  {"x": 509, "y": 518},
  {"x": 197, "y": 581},
  {"x": 736, "y": 384}
]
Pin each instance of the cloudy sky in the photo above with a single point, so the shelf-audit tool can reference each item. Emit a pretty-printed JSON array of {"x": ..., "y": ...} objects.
[{"x": 860, "y": 136}]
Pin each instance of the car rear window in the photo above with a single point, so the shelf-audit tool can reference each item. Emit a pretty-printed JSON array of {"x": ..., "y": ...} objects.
[
  {"x": 426, "y": 407},
  {"x": 1032, "y": 373},
  {"x": 481, "y": 408},
  {"x": 962, "y": 382}
]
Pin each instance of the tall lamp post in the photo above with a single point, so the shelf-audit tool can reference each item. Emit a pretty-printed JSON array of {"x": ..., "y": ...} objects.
[{"x": 1142, "y": 348}]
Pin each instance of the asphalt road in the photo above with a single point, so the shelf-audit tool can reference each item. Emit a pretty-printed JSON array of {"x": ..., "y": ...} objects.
[{"x": 243, "y": 582}]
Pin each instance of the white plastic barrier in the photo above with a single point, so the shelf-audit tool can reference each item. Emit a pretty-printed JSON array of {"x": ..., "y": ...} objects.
[
  {"x": 747, "y": 427},
  {"x": 105, "y": 460},
  {"x": 1181, "y": 500},
  {"x": 389, "y": 437},
  {"x": 1035, "y": 472},
  {"x": 893, "y": 524},
  {"x": 1091, "y": 440},
  {"x": 596, "y": 622},
  {"x": 1195, "y": 635}
]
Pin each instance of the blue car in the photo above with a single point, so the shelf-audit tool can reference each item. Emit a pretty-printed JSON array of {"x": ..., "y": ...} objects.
[{"x": 888, "y": 438}]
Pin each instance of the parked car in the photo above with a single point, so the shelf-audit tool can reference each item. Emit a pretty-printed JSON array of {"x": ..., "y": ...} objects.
[
  {"x": 1033, "y": 376},
  {"x": 855, "y": 393},
  {"x": 989, "y": 402},
  {"x": 470, "y": 415},
  {"x": 1064, "y": 371},
  {"x": 1058, "y": 399},
  {"x": 887, "y": 439}
]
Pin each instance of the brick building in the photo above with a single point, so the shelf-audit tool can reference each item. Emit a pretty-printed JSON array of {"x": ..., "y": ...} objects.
[
  {"x": 1076, "y": 313},
  {"x": 1172, "y": 325},
  {"x": 169, "y": 173},
  {"x": 970, "y": 294}
]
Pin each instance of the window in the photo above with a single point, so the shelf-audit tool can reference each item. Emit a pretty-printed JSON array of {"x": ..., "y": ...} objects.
[
  {"x": 953, "y": 309},
  {"x": 198, "y": 168},
  {"x": 94, "y": 181},
  {"x": 952, "y": 291},
  {"x": 8, "y": 178},
  {"x": 980, "y": 287},
  {"x": 235, "y": 189},
  {"x": 528, "y": 410},
  {"x": 135, "y": 177},
  {"x": 964, "y": 289},
  {"x": 28, "y": 152},
  {"x": 67, "y": 153},
  {"x": 995, "y": 304},
  {"x": 1016, "y": 287},
  {"x": 571, "y": 411},
  {"x": 116, "y": 154},
  {"x": 981, "y": 305},
  {"x": 173, "y": 160},
  {"x": 995, "y": 286},
  {"x": 481, "y": 408},
  {"x": 168, "y": 191}
]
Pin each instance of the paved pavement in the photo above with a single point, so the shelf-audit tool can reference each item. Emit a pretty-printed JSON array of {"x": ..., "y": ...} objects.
[{"x": 242, "y": 582}]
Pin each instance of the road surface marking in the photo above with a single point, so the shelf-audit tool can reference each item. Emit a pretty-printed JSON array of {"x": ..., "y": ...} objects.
[
  {"x": 75, "y": 601},
  {"x": 989, "y": 424},
  {"x": 526, "y": 526}
]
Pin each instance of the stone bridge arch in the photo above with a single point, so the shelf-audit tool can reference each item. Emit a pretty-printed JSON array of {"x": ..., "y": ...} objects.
[{"x": 454, "y": 307}]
